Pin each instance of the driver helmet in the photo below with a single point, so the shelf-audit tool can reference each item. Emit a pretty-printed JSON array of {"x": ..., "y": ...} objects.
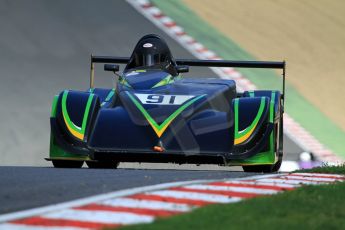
[{"x": 150, "y": 51}]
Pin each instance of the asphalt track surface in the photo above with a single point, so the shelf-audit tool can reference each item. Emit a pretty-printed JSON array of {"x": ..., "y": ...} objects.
[
  {"x": 29, "y": 187},
  {"x": 45, "y": 47}
]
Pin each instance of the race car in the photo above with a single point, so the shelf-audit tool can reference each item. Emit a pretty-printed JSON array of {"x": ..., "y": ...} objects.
[{"x": 155, "y": 115}]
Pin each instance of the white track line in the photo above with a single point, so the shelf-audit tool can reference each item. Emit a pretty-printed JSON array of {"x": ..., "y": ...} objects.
[
  {"x": 278, "y": 185},
  {"x": 111, "y": 195},
  {"x": 148, "y": 204},
  {"x": 318, "y": 179},
  {"x": 105, "y": 217},
  {"x": 287, "y": 181},
  {"x": 195, "y": 196},
  {"x": 91, "y": 199},
  {"x": 122, "y": 199},
  {"x": 231, "y": 189},
  {"x": 320, "y": 175}
]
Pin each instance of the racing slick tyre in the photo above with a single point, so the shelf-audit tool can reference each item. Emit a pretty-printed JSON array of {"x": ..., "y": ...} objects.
[
  {"x": 67, "y": 164},
  {"x": 279, "y": 150},
  {"x": 102, "y": 164}
]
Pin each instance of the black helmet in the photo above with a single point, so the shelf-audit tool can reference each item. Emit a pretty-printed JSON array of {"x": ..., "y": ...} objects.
[{"x": 151, "y": 50}]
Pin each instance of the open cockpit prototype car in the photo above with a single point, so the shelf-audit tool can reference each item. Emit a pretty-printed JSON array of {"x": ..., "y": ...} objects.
[{"x": 154, "y": 115}]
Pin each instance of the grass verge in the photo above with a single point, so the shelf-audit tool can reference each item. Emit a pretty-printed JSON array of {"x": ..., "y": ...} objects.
[
  {"x": 309, "y": 207},
  {"x": 326, "y": 169}
]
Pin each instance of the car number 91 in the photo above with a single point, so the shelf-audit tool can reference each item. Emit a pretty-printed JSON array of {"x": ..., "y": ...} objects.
[{"x": 160, "y": 99}]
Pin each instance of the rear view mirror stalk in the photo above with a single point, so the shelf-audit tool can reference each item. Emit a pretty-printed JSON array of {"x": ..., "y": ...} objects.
[
  {"x": 111, "y": 67},
  {"x": 182, "y": 68}
]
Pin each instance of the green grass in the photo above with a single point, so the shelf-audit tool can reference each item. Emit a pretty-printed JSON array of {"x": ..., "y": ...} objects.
[
  {"x": 310, "y": 207},
  {"x": 326, "y": 169}
]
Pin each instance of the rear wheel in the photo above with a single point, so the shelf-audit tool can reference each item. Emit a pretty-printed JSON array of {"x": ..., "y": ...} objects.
[
  {"x": 109, "y": 164},
  {"x": 67, "y": 164}
]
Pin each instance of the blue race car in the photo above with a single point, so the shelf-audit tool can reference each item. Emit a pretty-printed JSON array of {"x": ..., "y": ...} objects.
[{"x": 154, "y": 115}]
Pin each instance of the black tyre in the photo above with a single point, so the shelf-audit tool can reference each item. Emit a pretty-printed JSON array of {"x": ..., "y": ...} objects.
[
  {"x": 109, "y": 164},
  {"x": 67, "y": 164}
]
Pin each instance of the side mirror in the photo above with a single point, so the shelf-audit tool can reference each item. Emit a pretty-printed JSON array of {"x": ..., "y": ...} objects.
[
  {"x": 111, "y": 67},
  {"x": 182, "y": 68}
]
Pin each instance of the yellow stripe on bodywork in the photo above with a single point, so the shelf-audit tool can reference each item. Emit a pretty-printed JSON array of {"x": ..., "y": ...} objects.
[
  {"x": 246, "y": 136},
  {"x": 75, "y": 130},
  {"x": 242, "y": 136},
  {"x": 74, "y": 133}
]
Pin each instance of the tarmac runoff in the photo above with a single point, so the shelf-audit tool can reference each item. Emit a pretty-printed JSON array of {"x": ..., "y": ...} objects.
[{"x": 145, "y": 204}]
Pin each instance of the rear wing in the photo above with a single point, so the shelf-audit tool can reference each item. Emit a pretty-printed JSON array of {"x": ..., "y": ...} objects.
[{"x": 195, "y": 62}]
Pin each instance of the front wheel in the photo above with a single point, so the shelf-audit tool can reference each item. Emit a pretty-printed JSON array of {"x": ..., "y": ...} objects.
[
  {"x": 67, "y": 164},
  {"x": 102, "y": 164}
]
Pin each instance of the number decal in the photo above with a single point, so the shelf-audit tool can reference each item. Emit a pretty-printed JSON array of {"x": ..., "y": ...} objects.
[
  {"x": 159, "y": 99},
  {"x": 154, "y": 99},
  {"x": 172, "y": 99}
]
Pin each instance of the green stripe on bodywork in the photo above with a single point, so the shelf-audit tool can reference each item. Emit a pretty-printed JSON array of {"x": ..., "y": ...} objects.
[
  {"x": 239, "y": 134},
  {"x": 167, "y": 80},
  {"x": 54, "y": 106},
  {"x": 268, "y": 157},
  {"x": 124, "y": 82},
  {"x": 86, "y": 113},
  {"x": 81, "y": 129},
  {"x": 110, "y": 95},
  {"x": 236, "y": 102},
  {"x": 271, "y": 151},
  {"x": 273, "y": 96},
  {"x": 263, "y": 158},
  {"x": 55, "y": 152},
  {"x": 317, "y": 123},
  {"x": 167, "y": 121},
  {"x": 65, "y": 113}
]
